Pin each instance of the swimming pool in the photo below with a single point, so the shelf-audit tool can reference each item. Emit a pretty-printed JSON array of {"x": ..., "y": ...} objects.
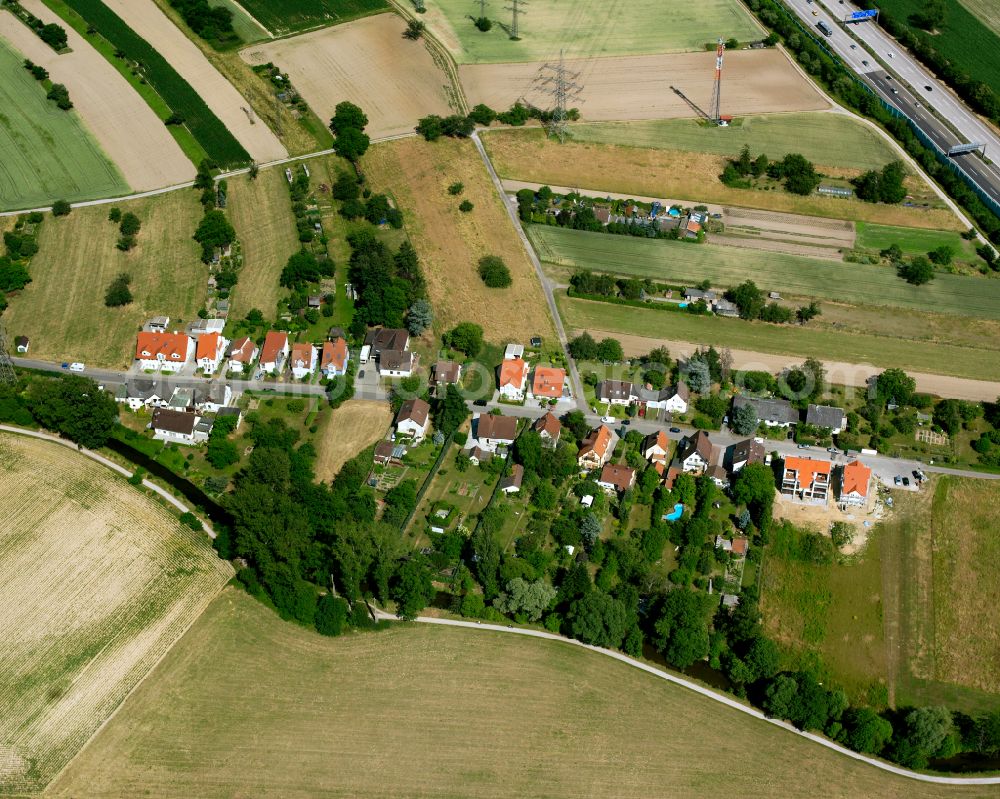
[{"x": 675, "y": 514}]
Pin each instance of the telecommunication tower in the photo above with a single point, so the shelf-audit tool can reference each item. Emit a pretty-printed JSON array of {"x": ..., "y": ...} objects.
[
  {"x": 559, "y": 81},
  {"x": 717, "y": 87}
]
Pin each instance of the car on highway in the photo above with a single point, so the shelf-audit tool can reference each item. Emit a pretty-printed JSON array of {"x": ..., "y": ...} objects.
[
  {"x": 854, "y": 47},
  {"x": 675, "y": 429},
  {"x": 864, "y": 62},
  {"x": 815, "y": 13},
  {"x": 889, "y": 54},
  {"x": 929, "y": 88},
  {"x": 895, "y": 91}
]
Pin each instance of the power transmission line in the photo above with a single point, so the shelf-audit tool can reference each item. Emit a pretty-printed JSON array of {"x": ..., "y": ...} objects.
[
  {"x": 516, "y": 8},
  {"x": 717, "y": 86},
  {"x": 557, "y": 80},
  {"x": 482, "y": 8}
]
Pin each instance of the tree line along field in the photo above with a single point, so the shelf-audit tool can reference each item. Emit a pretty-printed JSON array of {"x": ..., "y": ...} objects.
[
  {"x": 45, "y": 153},
  {"x": 968, "y": 43},
  {"x": 450, "y": 243},
  {"x": 686, "y": 176},
  {"x": 586, "y": 29},
  {"x": 62, "y": 310},
  {"x": 827, "y": 139},
  {"x": 561, "y": 721},
  {"x": 656, "y": 327},
  {"x": 220, "y": 145},
  {"x": 97, "y": 582},
  {"x": 282, "y": 17},
  {"x": 801, "y": 276}
]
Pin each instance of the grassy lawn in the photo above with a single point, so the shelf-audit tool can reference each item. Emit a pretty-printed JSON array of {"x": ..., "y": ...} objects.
[
  {"x": 913, "y": 241},
  {"x": 62, "y": 310},
  {"x": 586, "y": 28},
  {"x": 681, "y": 262},
  {"x": 940, "y": 578},
  {"x": 261, "y": 212},
  {"x": 690, "y": 176},
  {"x": 834, "y": 140},
  {"x": 963, "y": 39},
  {"x": 473, "y": 714},
  {"x": 987, "y": 11},
  {"x": 829, "y": 617},
  {"x": 282, "y": 17},
  {"x": 98, "y": 582},
  {"x": 344, "y": 432},
  {"x": 47, "y": 154},
  {"x": 450, "y": 243},
  {"x": 801, "y": 342}
]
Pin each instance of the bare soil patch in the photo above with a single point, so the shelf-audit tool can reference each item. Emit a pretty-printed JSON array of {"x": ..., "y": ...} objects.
[
  {"x": 348, "y": 430},
  {"x": 638, "y": 87},
  {"x": 97, "y": 582},
  {"x": 450, "y": 243},
  {"x": 226, "y": 103},
  {"x": 367, "y": 62},
  {"x": 125, "y": 127}
]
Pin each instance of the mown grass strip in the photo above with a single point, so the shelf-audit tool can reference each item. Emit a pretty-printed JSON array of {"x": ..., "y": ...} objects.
[{"x": 220, "y": 145}]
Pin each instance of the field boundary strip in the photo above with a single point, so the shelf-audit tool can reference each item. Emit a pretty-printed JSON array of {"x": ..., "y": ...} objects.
[{"x": 709, "y": 694}]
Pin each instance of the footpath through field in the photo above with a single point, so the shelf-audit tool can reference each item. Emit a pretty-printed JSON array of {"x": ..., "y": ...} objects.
[{"x": 710, "y": 694}]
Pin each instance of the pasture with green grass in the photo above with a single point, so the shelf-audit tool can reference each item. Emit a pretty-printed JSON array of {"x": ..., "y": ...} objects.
[
  {"x": 282, "y": 17},
  {"x": 828, "y": 139},
  {"x": 674, "y": 261},
  {"x": 46, "y": 154},
  {"x": 220, "y": 145},
  {"x": 587, "y": 28},
  {"x": 246, "y": 28},
  {"x": 913, "y": 241},
  {"x": 790, "y": 340}
]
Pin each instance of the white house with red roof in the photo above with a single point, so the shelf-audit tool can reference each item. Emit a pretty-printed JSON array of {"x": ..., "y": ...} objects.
[
  {"x": 303, "y": 360},
  {"x": 334, "y": 358},
  {"x": 242, "y": 352},
  {"x": 854, "y": 481},
  {"x": 163, "y": 352},
  {"x": 513, "y": 379},
  {"x": 274, "y": 353},
  {"x": 210, "y": 352}
]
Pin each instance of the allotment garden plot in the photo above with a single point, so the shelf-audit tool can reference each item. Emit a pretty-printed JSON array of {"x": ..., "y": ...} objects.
[
  {"x": 45, "y": 153},
  {"x": 368, "y": 62},
  {"x": 587, "y": 28},
  {"x": 96, "y": 584}
]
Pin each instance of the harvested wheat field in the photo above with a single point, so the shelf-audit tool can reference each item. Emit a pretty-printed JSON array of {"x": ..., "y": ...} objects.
[
  {"x": 97, "y": 582},
  {"x": 261, "y": 212},
  {"x": 121, "y": 121},
  {"x": 367, "y": 62},
  {"x": 226, "y": 103},
  {"x": 247, "y": 705},
  {"x": 346, "y": 431},
  {"x": 694, "y": 177},
  {"x": 62, "y": 309},
  {"x": 638, "y": 87},
  {"x": 450, "y": 243}
]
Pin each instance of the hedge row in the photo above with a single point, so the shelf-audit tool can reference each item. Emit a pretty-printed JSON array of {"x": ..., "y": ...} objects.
[{"x": 221, "y": 146}]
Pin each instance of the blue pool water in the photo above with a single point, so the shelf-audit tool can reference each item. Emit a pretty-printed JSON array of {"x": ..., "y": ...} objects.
[
  {"x": 675, "y": 514},
  {"x": 682, "y": 305}
]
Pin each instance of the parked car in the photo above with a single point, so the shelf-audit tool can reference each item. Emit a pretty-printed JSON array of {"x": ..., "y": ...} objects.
[
  {"x": 803, "y": 446},
  {"x": 834, "y": 450},
  {"x": 361, "y": 374},
  {"x": 65, "y": 365},
  {"x": 906, "y": 481},
  {"x": 608, "y": 419},
  {"x": 675, "y": 429},
  {"x": 76, "y": 366},
  {"x": 897, "y": 480}
]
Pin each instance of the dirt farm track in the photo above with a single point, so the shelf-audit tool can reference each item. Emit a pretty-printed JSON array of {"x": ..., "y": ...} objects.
[
  {"x": 638, "y": 87},
  {"x": 125, "y": 127},
  {"x": 367, "y": 62}
]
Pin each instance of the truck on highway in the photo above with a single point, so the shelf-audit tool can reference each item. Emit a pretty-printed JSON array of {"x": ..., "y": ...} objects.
[{"x": 827, "y": 30}]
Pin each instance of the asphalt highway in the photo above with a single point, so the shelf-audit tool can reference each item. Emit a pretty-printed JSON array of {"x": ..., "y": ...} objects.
[{"x": 867, "y": 50}]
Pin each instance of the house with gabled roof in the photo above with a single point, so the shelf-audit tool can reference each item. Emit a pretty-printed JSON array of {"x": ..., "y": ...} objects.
[
  {"x": 513, "y": 378},
  {"x": 303, "y": 360},
  {"x": 333, "y": 360},
  {"x": 511, "y": 484},
  {"x": 548, "y": 383},
  {"x": 616, "y": 392},
  {"x": 178, "y": 427},
  {"x": 413, "y": 419},
  {"x": 655, "y": 447},
  {"x": 673, "y": 399},
  {"x": 826, "y": 416},
  {"x": 381, "y": 339},
  {"x": 444, "y": 374},
  {"x": 242, "y": 352},
  {"x": 396, "y": 363},
  {"x": 772, "y": 412},
  {"x": 549, "y": 429},
  {"x": 696, "y": 453},
  {"x": 749, "y": 450},
  {"x": 490, "y": 430},
  {"x": 855, "y": 479},
  {"x": 806, "y": 478},
  {"x": 597, "y": 448},
  {"x": 165, "y": 352},
  {"x": 274, "y": 353},
  {"x": 210, "y": 351},
  {"x": 616, "y": 479}
]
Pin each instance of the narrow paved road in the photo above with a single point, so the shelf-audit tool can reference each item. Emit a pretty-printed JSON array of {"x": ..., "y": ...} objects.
[
  {"x": 722, "y": 699},
  {"x": 546, "y": 284},
  {"x": 95, "y": 456}
]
